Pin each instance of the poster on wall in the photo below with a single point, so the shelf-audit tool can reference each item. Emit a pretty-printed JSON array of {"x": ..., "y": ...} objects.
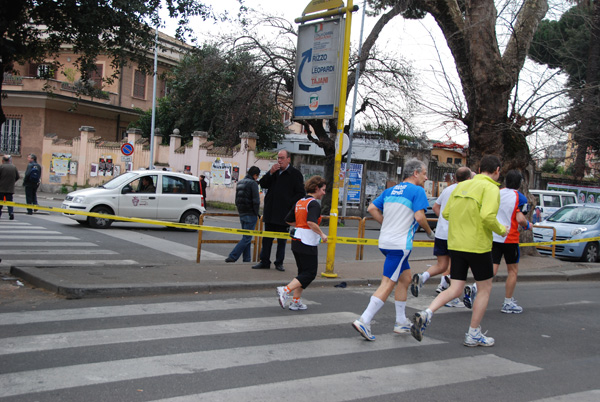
[
  {"x": 128, "y": 166},
  {"x": 117, "y": 170},
  {"x": 109, "y": 167},
  {"x": 235, "y": 176},
  {"x": 73, "y": 167},
  {"x": 217, "y": 172},
  {"x": 355, "y": 174},
  {"x": 94, "y": 170},
  {"x": 59, "y": 165}
]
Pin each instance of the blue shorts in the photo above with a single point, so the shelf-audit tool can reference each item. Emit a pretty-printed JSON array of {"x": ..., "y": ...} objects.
[
  {"x": 440, "y": 247},
  {"x": 396, "y": 262}
]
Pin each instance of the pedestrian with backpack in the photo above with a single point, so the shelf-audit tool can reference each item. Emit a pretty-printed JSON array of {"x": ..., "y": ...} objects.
[{"x": 31, "y": 181}]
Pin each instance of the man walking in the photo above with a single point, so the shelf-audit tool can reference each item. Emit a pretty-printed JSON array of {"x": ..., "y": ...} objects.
[
  {"x": 247, "y": 201},
  {"x": 8, "y": 176},
  {"x": 285, "y": 186},
  {"x": 400, "y": 210},
  {"x": 471, "y": 213},
  {"x": 31, "y": 181}
]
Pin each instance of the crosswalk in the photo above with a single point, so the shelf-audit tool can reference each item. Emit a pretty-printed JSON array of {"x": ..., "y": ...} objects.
[
  {"x": 26, "y": 244},
  {"x": 178, "y": 351}
]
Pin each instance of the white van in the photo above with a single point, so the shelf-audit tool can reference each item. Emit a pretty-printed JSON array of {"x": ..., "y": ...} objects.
[{"x": 548, "y": 201}]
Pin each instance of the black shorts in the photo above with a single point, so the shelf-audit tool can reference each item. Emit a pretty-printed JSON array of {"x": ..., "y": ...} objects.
[
  {"x": 510, "y": 251},
  {"x": 480, "y": 264},
  {"x": 440, "y": 247}
]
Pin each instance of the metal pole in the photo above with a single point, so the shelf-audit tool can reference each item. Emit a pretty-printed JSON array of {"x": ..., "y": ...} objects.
[
  {"x": 351, "y": 133},
  {"x": 338, "y": 155},
  {"x": 153, "y": 125}
]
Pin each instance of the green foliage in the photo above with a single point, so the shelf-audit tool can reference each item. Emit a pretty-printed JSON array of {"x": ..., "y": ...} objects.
[
  {"x": 33, "y": 31},
  {"x": 550, "y": 166},
  {"x": 165, "y": 119},
  {"x": 64, "y": 189},
  {"x": 224, "y": 93},
  {"x": 392, "y": 132}
]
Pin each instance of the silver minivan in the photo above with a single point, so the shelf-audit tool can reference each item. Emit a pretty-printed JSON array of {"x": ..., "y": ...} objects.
[{"x": 548, "y": 201}]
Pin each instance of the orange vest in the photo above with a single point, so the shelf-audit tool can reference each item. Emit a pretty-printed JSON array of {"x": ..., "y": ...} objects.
[{"x": 301, "y": 213}]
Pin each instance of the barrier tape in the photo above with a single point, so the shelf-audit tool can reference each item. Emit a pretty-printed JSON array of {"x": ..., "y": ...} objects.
[{"x": 259, "y": 233}]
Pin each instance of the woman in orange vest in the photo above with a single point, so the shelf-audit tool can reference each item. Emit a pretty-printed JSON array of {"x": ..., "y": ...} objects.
[{"x": 306, "y": 216}]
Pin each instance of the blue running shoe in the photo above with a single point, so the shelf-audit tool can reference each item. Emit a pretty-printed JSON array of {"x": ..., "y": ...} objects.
[
  {"x": 470, "y": 292},
  {"x": 420, "y": 322},
  {"x": 478, "y": 339},
  {"x": 363, "y": 329},
  {"x": 416, "y": 284},
  {"x": 402, "y": 328}
]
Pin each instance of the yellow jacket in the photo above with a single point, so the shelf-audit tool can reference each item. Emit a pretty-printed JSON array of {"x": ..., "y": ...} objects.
[{"x": 471, "y": 214}]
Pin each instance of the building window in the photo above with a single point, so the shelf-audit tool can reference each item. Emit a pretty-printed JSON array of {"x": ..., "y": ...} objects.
[
  {"x": 383, "y": 155},
  {"x": 10, "y": 137},
  {"x": 304, "y": 147},
  {"x": 448, "y": 160},
  {"x": 139, "y": 85},
  {"x": 96, "y": 76},
  {"x": 44, "y": 71},
  {"x": 457, "y": 161}
]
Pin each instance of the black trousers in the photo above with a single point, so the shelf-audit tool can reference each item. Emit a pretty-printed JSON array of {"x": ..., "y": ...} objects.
[
  {"x": 31, "y": 195},
  {"x": 267, "y": 244}
]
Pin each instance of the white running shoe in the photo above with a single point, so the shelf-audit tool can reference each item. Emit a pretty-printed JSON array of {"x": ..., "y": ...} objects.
[
  {"x": 416, "y": 284},
  {"x": 402, "y": 328},
  {"x": 470, "y": 292},
  {"x": 478, "y": 339},
  {"x": 295, "y": 306},
  {"x": 445, "y": 284},
  {"x": 363, "y": 329},
  {"x": 282, "y": 295},
  {"x": 455, "y": 303},
  {"x": 511, "y": 307}
]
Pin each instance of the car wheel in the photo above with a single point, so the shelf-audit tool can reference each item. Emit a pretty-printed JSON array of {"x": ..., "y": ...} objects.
[
  {"x": 100, "y": 223},
  {"x": 190, "y": 218},
  {"x": 83, "y": 223},
  {"x": 590, "y": 253}
]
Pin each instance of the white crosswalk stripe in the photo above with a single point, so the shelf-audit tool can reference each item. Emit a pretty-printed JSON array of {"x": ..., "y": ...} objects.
[
  {"x": 357, "y": 381},
  {"x": 21, "y": 241}
]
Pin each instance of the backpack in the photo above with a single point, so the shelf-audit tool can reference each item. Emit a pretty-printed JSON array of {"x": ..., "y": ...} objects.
[{"x": 35, "y": 174}]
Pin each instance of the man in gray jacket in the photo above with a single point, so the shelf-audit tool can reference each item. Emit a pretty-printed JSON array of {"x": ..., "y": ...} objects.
[
  {"x": 247, "y": 201},
  {"x": 8, "y": 176}
]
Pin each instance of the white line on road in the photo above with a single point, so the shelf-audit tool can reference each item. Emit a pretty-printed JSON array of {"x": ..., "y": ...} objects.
[
  {"x": 29, "y": 317},
  {"x": 70, "y": 263},
  {"x": 28, "y": 231},
  {"x": 65, "y": 340},
  {"x": 367, "y": 384},
  {"x": 31, "y": 237},
  {"x": 190, "y": 363},
  {"x": 57, "y": 252},
  {"x": 10, "y": 244}
]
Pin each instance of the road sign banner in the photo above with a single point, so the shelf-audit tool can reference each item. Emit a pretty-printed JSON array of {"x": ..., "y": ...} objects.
[{"x": 318, "y": 72}]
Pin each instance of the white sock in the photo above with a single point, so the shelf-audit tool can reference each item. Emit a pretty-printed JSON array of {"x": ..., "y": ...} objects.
[
  {"x": 424, "y": 276},
  {"x": 374, "y": 305},
  {"x": 474, "y": 331},
  {"x": 401, "y": 312},
  {"x": 443, "y": 281},
  {"x": 508, "y": 299},
  {"x": 429, "y": 313}
]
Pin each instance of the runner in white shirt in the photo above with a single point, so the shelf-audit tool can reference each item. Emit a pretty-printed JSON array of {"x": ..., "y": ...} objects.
[{"x": 440, "y": 247}]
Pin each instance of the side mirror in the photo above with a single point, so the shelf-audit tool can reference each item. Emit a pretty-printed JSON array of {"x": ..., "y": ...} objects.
[{"x": 126, "y": 189}]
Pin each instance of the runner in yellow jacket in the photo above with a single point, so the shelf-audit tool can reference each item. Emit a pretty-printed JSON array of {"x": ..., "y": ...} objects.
[{"x": 471, "y": 214}]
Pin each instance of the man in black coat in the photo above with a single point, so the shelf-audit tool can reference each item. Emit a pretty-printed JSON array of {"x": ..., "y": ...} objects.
[{"x": 285, "y": 186}]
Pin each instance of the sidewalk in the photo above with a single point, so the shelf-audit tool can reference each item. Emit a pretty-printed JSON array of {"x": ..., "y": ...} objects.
[{"x": 107, "y": 281}]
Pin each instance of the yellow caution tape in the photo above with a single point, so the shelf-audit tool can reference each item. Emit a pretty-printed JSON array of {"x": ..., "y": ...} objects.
[{"x": 259, "y": 233}]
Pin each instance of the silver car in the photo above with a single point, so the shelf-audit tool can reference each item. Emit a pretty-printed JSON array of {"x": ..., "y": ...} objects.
[
  {"x": 575, "y": 221},
  {"x": 149, "y": 194}
]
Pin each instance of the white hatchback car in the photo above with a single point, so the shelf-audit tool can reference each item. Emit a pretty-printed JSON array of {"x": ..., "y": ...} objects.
[{"x": 149, "y": 194}]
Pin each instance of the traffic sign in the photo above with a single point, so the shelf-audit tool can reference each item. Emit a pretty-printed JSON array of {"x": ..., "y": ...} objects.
[{"x": 127, "y": 149}]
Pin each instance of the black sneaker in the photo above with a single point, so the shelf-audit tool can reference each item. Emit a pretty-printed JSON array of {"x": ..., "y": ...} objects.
[
  {"x": 261, "y": 265},
  {"x": 11, "y": 217},
  {"x": 229, "y": 259},
  {"x": 280, "y": 267}
]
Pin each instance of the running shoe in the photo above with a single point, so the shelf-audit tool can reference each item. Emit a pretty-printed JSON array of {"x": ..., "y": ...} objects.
[
  {"x": 416, "y": 284},
  {"x": 420, "y": 322},
  {"x": 363, "y": 329},
  {"x": 455, "y": 303},
  {"x": 282, "y": 295},
  {"x": 295, "y": 306},
  {"x": 478, "y": 339},
  {"x": 402, "y": 328},
  {"x": 443, "y": 284},
  {"x": 470, "y": 292},
  {"x": 511, "y": 307}
]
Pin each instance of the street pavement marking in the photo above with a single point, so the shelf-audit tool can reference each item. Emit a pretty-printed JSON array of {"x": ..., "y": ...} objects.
[
  {"x": 36, "y": 343},
  {"x": 3, "y": 228},
  {"x": 57, "y": 252},
  {"x": 10, "y": 244},
  {"x": 30, "y": 317},
  {"x": 585, "y": 396},
  {"x": 52, "y": 379},
  {"x": 367, "y": 384},
  {"x": 70, "y": 263},
  {"x": 29, "y": 231},
  {"x": 31, "y": 237},
  {"x": 162, "y": 245}
]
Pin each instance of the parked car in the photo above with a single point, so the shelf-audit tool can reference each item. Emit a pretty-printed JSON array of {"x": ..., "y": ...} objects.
[
  {"x": 575, "y": 221},
  {"x": 549, "y": 201},
  {"x": 151, "y": 194}
]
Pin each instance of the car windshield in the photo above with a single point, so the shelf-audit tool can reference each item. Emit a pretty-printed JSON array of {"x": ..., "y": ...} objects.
[
  {"x": 577, "y": 215},
  {"x": 117, "y": 181}
]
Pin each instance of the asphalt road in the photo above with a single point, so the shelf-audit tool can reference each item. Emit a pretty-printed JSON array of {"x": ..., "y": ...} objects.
[{"x": 243, "y": 346}]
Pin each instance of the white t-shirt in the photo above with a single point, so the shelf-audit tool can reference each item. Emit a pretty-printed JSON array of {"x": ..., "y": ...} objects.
[{"x": 441, "y": 230}]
